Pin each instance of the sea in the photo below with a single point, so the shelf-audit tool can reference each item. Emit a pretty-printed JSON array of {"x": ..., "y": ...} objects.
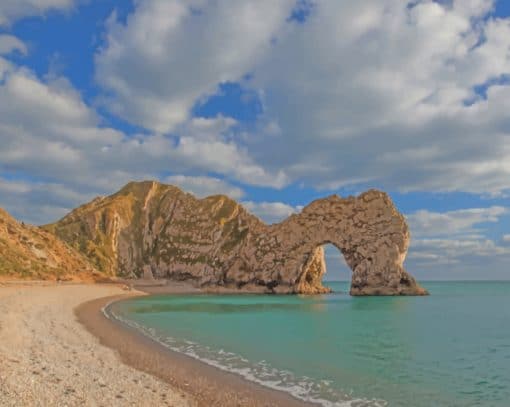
[{"x": 451, "y": 348}]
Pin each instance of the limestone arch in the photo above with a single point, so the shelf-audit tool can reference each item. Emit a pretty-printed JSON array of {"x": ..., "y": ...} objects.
[
  {"x": 372, "y": 236},
  {"x": 376, "y": 272}
]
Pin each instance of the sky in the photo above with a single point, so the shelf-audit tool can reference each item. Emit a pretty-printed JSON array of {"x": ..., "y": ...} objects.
[{"x": 274, "y": 103}]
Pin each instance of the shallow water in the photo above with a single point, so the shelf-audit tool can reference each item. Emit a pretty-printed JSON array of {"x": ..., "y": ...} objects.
[{"x": 449, "y": 349}]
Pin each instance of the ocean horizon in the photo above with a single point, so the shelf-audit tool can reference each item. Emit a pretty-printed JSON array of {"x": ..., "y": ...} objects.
[{"x": 450, "y": 348}]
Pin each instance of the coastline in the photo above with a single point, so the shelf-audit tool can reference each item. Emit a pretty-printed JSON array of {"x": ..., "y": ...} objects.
[
  {"x": 57, "y": 347},
  {"x": 206, "y": 384},
  {"x": 48, "y": 358}
]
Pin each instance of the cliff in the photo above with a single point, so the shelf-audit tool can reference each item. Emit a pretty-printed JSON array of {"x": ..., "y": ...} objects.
[
  {"x": 29, "y": 252},
  {"x": 152, "y": 229}
]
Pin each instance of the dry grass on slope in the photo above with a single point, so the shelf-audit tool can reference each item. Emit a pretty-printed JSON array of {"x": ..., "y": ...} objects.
[{"x": 29, "y": 252}]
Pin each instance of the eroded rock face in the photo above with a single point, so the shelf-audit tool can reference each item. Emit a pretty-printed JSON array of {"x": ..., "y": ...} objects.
[{"x": 153, "y": 228}]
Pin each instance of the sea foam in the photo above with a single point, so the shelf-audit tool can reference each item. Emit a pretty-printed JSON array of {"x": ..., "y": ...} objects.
[{"x": 302, "y": 388}]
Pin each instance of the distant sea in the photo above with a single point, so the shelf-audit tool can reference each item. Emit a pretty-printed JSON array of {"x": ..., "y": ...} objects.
[{"x": 449, "y": 349}]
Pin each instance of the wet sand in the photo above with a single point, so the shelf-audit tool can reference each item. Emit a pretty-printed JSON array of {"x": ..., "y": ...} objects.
[
  {"x": 58, "y": 348},
  {"x": 208, "y": 385}
]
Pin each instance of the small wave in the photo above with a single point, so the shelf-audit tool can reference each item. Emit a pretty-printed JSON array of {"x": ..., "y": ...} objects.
[{"x": 304, "y": 388}]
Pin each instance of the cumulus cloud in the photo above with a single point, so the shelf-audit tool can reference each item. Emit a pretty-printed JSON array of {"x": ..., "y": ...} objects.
[
  {"x": 10, "y": 43},
  {"x": 271, "y": 212},
  {"x": 49, "y": 134},
  {"x": 376, "y": 93},
  {"x": 12, "y": 10},
  {"x": 426, "y": 223},
  {"x": 452, "y": 250},
  {"x": 46, "y": 129},
  {"x": 38, "y": 202},
  {"x": 171, "y": 53},
  {"x": 456, "y": 239},
  {"x": 382, "y": 94}
]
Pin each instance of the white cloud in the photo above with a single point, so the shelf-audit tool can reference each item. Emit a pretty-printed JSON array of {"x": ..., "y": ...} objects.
[
  {"x": 56, "y": 99},
  {"x": 456, "y": 239},
  {"x": 39, "y": 203},
  {"x": 46, "y": 130},
  {"x": 12, "y": 10},
  {"x": 425, "y": 223},
  {"x": 271, "y": 212},
  {"x": 10, "y": 43},
  {"x": 171, "y": 53},
  {"x": 455, "y": 249},
  {"x": 375, "y": 93},
  {"x": 208, "y": 144},
  {"x": 13, "y": 187},
  {"x": 204, "y": 186},
  {"x": 49, "y": 135},
  {"x": 473, "y": 8}
]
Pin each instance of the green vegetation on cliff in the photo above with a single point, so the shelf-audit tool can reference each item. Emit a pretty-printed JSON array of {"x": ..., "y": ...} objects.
[
  {"x": 29, "y": 252},
  {"x": 148, "y": 223}
]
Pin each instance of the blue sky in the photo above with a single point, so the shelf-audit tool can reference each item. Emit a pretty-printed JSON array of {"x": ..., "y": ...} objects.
[{"x": 273, "y": 103}]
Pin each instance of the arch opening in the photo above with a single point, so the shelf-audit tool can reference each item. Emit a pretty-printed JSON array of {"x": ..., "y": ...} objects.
[
  {"x": 324, "y": 264},
  {"x": 338, "y": 274},
  {"x": 378, "y": 272}
]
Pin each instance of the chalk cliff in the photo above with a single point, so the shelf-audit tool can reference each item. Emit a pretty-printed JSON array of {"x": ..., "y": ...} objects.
[{"x": 152, "y": 229}]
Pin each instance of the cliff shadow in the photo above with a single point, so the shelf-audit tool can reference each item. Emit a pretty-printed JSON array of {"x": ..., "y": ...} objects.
[{"x": 324, "y": 264}]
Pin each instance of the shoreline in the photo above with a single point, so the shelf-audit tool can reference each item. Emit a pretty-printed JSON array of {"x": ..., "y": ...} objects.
[
  {"x": 48, "y": 358},
  {"x": 206, "y": 384}
]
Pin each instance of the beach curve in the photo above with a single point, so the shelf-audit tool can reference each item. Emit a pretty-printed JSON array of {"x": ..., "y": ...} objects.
[
  {"x": 208, "y": 385},
  {"x": 48, "y": 358},
  {"x": 57, "y": 347}
]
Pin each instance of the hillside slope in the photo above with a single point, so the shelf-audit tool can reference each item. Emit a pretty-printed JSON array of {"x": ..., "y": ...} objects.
[
  {"x": 148, "y": 226},
  {"x": 29, "y": 252}
]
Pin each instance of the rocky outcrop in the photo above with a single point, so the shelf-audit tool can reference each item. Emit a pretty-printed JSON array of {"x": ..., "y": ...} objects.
[
  {"x": 28, "y": 252},
  {"x": 153, "y": 229}
]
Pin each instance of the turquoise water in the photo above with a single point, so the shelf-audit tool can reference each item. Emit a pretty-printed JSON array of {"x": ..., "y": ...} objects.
[{"x": 449, "y": 349}]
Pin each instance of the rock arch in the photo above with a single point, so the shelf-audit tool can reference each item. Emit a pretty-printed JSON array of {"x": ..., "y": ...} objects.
[
  {"x": 371, "y": 234},
  {"x": 215, "y": 242}
]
